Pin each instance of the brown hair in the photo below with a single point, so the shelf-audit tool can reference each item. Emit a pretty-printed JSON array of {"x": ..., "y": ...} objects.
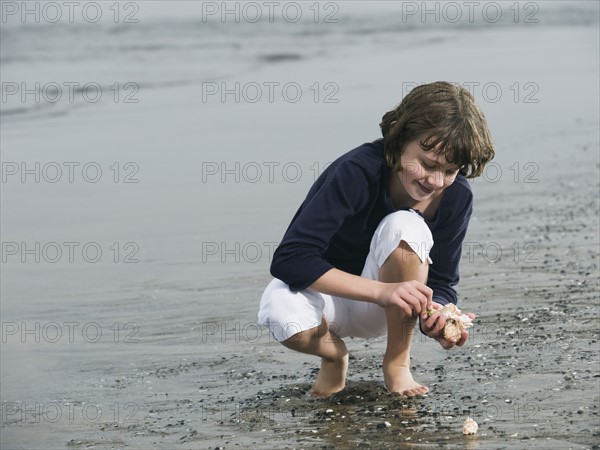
[{"x": 440, "y": 113}]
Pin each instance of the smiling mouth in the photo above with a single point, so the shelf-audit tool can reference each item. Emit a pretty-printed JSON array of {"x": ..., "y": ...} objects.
[{"x": 424, "y": 189}]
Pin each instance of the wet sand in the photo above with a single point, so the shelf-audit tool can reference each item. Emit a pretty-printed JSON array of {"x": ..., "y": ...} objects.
[{"x": 529, "y": 374}]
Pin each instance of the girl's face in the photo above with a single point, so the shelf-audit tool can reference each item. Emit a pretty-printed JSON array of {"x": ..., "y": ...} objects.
[{"x": 424, "y": 174}]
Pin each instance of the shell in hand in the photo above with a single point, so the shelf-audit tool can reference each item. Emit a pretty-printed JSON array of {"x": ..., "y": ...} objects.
[
  {"x": 456, "y": 321},
  {"x": 452, "y": 331}
]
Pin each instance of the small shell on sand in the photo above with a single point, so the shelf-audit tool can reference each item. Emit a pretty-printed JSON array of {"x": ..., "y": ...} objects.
[{"x": 470, "y": 426}]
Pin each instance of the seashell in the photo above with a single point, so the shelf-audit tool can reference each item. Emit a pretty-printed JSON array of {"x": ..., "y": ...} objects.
[
  {"x": 470, "y": 426},
  {"x": 452, "y": 331},
  {"x": 456, "y": 321}
]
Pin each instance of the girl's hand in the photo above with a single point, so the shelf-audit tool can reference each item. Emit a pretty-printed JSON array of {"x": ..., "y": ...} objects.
[
  {"x": 434, "y": 325},
  {"x": 412, "y": 297}
]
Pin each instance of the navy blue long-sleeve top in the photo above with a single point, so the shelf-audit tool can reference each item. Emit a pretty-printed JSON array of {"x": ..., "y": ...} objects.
[{"x": 334, "y": 225}]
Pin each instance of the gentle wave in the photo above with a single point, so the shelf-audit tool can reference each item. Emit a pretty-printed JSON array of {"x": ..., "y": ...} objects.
[{"x": 175, "y": 51}]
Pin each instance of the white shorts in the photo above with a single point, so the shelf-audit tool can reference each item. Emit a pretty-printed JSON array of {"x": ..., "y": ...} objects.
[{"x": 286, "y": 312}]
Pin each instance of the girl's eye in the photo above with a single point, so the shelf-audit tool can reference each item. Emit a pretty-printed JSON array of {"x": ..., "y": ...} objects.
[{"x": 451, "y": 174}]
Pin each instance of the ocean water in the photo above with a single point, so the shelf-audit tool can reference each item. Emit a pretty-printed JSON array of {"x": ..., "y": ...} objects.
[{"x": 154, "y": 45}]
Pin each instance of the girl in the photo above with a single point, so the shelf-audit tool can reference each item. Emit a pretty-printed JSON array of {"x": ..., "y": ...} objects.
[{"x": 356, "y": 260}]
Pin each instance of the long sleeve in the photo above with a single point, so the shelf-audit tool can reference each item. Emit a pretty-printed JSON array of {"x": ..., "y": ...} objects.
[
  {"x": 340, "y": 192},
  {"x": 449, "y": 235}
]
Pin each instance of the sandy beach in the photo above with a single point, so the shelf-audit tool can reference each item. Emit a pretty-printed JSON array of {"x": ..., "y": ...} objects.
[{"x": 137, "y": 235}]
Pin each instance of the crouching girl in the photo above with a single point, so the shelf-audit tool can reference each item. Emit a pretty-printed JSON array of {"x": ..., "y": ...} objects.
[{"x": 376, "y": 244}]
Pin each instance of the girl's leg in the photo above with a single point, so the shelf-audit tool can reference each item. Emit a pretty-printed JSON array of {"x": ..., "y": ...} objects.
[
  {"x": 402, "y": 265},
  {"x": 297, "y": 320},
  {"x": 320, "y": 341}
]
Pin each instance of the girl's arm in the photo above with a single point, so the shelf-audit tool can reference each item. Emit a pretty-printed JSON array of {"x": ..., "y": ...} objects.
[
  {"x": 411, "y": 297},
  {"x": 444, "y": 273},
  {"x": 341, "y": 191},
  {"x": 447, "y": 248}
]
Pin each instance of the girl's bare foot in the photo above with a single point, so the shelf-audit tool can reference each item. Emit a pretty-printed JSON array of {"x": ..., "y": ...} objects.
[
  {"x": 331, "y": 377},
  {"x": 398, "y": 379}
]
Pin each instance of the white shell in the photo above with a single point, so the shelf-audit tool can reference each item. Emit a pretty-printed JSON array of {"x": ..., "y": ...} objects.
[
  {"x": 452, "y": 312},
  {"x": 452, "y": 331},
  {"x": 470, "y": 426}
]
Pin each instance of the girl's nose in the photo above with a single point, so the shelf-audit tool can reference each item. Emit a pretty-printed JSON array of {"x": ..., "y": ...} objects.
[{"x": 435, "y": 180}]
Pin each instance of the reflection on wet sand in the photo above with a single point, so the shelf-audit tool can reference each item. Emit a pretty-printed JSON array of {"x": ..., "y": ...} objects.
[{"x": 363, "y": 412}]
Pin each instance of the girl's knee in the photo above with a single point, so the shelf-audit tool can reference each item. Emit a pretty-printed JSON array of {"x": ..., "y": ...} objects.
[
  {"x": 403, "y": 264},
  {"x": 305, "y": 337},
  {"x": 405, "y": 232},
  {"x": 405, "y": 254}
]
